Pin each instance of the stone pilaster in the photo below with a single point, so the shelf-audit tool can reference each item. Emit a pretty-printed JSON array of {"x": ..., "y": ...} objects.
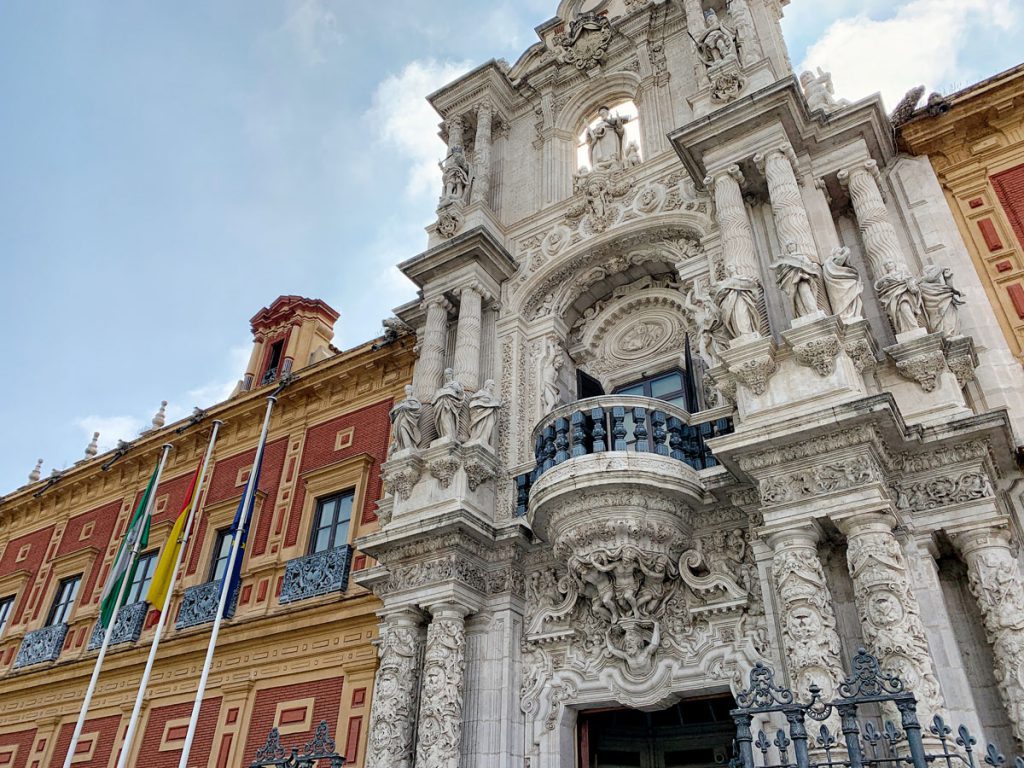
[
  {"x": 737, "y": 237},
  {"x": 482, "y": 155},
  {"x": 873, "y": 220},
  {"x": 994, "y": 578},
  {"x": 791, "y": 222},
  {"x": 395, "y": 693},
  {"x": 890, "y": 616},
  {"x": 439, "y": 733},
  {"x": 467, "y": 338},
  {"x": 805, "y": 603},
  {"x": 430, "y": 366}
]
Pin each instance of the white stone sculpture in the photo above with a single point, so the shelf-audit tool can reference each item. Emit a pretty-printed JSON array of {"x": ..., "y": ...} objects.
[
  {"x": 604, "y": 141},
  {"x": 843, "y": 285},
  {"x": 439, "y": 731},
  {"x": 632, "y": 154},
  {"x": 746, "y": 36},
  {"x": 717, "y": 45},
  {"x": 454, "y": 175},
  {"x": 737, "y": 297},
  {"x": 551, "y": 392},
  {"x": 483, "y": 414},
  {"x": 900, "y": 294},
  {"x": 819, "y": 91},
  {"x": 631, "y": 642},
  {"x": 405, "y": 422},
  {"x": 447, "y": 404},
  {"x": 940, "y": 301},
  {"x": 37, "y": 472},
  {"x": 798, "y": 277},
  {"x": 93, "y": 447},
  {"x": 705, "y": 315}
]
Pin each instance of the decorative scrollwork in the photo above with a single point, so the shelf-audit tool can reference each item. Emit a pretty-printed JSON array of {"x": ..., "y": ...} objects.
[
  {"x": 763, "y": 690},
  {"x": 867, "y": 678}
]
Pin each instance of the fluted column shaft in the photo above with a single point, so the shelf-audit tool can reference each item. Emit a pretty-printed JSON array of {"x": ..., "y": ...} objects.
[
  {"x": 788, "y": 210},
  {"x": 809, "y": 621},
  {"x": 890, "y": 616},
  {"x": 994, "y": 578},
  {"x": 395, "y": 693},
  {"x": 430, "y": 366},
  {"x": 467, "y": 337},
  {"x": 873, "y": 220},
  {"x": 737, "y": 237},
  {"x": 482, "y": 155},
  {"x": 439, "y": 733}
]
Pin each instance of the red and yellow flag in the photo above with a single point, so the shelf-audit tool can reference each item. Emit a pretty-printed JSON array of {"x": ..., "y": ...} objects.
[{"x": 164, "y": 573}]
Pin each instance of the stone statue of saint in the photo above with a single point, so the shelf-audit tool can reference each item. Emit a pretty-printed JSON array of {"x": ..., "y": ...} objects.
[
  {"x": 746, "y": 36},
  {"x": 736, "y": 297},
  {"x": 941, "y": 301},
  {"x": 900, "y": 294},
  {"x": 448, "y": 400},
  {"x": 405, "y": 422},
  {"x": 604, "y": 141},
  {"x": 483, "y": 414},
  {"x": 707, "y": 317},
  {"x": 819, "y": 91},
  {"x": 843, "y": 285},
  {"x": 454, "y": 176},
  {"x": 717, "y": 45},
  {"x": 632, "y": 154},
  {"x": 798, "y": 277},
  {"x": 551, "y": 393}
]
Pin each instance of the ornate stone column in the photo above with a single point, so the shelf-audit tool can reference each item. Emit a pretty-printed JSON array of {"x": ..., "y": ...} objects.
[
  {"x": 482, "y": 154},
  {"x": 455, "y": 126},
  {"x": 737, "y": 237},
  {"x": 876, "y": 228},
  {"x": 439, "y": 733},
  {"x": 467, "y": 336},
  {"x": 890, "y": 616},
  {"x": 430, "y": 366},
  {"x": 994, "y": 578},
  {"x": 791, "y": 222},
  {"x": 395, "y": 692},
  {"x": 808, "y": 620}
]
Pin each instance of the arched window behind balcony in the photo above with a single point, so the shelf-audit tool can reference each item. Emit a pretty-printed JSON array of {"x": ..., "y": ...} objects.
[{"x": 611, "y": 140}]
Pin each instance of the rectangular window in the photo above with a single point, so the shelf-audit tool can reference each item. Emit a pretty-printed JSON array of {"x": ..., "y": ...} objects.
[
  {"x": 330, "y": 524},
  {"x": 6, "y": 604},
  {"x": 142, "y": 577},
  {"x": 64, "y": 600},
  {"x": 221, "y": 553}
]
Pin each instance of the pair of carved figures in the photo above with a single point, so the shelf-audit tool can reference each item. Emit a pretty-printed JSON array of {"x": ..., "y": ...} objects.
[
  {"x": 930, "y": 301},
  {"x": 447, "y": 404},
  {"x": 800, "y": 279}
]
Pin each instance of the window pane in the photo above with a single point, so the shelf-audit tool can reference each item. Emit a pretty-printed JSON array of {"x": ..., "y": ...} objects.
[
  {"x": 64, "y": 600},
  {"x": 322, "y": 540},
  {"x": 635, "y": 389},
  {"x": 222, "y": 550},
  {"x": 345, "y": 505},
  {"x": 143, "y": 577},
  {"x": 665, "y": 385},
  {"x": 5, "y": 611}
]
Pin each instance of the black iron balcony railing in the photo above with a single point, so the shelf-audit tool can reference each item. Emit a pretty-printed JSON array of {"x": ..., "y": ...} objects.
[
  {"x": 320, "y": 573},
  {"x": 622, "y": 423},
  {"x": 127, "y": 628},
  {"x": 199, "y": 604},
  {"x": 41, "y": 645}
]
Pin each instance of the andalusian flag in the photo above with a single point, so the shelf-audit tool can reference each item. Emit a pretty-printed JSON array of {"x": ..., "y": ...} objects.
[
  {"x": 164, "y": 573},
  {"x": 136, "y": 537}
]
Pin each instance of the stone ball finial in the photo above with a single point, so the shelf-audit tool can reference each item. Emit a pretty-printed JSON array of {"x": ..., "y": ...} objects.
[
  {"x": 35, "y": 474},
  {"x": 161, "y": 416},
  {"x": 93, "y": 447}
]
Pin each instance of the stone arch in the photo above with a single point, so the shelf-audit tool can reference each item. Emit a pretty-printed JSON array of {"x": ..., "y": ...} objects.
[{"x": 617, "y": 86}]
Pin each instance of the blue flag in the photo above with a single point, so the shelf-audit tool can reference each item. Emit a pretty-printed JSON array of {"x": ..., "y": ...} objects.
[{"x": 234, "y": 578}]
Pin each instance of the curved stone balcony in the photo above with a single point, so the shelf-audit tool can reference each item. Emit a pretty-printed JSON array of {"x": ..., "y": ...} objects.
[{"x": 650, "y": 435}]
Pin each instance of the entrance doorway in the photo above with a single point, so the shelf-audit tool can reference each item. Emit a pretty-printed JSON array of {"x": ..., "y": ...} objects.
[{"x": 697, "y": 733}]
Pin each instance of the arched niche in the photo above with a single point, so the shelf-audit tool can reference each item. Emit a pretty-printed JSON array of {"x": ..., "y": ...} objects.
[{"x": 610, "y": 89}]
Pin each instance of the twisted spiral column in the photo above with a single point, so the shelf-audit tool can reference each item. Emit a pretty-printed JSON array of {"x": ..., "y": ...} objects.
[
  {"x": 873, "y": 220},
  {"x": 737, "y": 236},
  {"x": 788, "y": 210},
  {"x": 467, "y": 337},
  {"x": 430, "y": 366}
]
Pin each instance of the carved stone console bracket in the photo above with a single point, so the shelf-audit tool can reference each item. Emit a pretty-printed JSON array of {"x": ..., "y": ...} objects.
[
  {"x": 751, "y": 363},
  {"x": 921, "y": 359},
  {"x": 816, "y": 345},
  {"x": 401, "y": 474},
  {"x": 961, "y": 358}
]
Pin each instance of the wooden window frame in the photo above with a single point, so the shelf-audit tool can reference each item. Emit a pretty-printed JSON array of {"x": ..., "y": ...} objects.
[
  {"x": 70, "y": 606},
  {"x": 351, "y": 474},
  {"x": 317, "y": 519}
]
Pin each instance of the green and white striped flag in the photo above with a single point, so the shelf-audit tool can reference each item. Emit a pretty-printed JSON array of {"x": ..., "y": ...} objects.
[{"x": 125, "y": 562}]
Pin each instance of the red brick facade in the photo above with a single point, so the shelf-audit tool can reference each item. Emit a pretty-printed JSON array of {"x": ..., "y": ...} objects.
[
  {"x": 291, "y": 708},
  {"x": 164, "y": 733}
]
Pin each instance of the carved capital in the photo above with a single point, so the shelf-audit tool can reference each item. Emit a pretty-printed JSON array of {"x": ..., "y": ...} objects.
[
  {"x": 925, "y": 368},
  {"x": 819, "y": 354},
  {"x": 755, "y": 373}
]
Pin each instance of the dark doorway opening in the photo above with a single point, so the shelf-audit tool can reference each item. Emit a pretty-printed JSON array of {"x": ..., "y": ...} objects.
[{"x": 696, "y": 733}]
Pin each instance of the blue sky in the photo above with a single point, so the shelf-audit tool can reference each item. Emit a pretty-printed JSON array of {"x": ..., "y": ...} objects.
[{"x": 166, "y": 169}]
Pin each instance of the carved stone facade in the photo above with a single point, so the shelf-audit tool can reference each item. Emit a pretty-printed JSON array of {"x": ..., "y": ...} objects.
[{"x": 677, "y": 412}]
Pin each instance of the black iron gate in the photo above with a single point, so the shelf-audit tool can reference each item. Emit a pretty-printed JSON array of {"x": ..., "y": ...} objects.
[
  {"x": 858, "y": 742},
  {"x": 319, "y": 752}
]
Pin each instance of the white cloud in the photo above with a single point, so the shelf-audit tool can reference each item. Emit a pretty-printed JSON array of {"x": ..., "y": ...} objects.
[
  {"x": 919, "y": 44},
  {"x": 312, "y": 28},
  {"x": 219, "y": 389},
  {"x": 408, "y": 124}
]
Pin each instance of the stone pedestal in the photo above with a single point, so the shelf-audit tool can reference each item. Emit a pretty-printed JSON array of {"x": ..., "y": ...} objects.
[{"x": 927, "y": 391}]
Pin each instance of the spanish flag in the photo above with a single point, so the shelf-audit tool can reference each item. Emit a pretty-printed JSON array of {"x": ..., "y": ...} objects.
[{"x": 165, "y": 567}]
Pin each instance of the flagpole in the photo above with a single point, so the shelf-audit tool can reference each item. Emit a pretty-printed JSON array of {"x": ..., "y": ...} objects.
[
  {"x": 126, "y": 745},
  {"x": 113, "y": 616},
  {"x": 250, "y": 490}
]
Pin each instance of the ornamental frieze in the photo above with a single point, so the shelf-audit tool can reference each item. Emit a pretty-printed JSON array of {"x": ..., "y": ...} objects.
[
  {"x": 942, "y": 491},
  {"x": 825, "y": 478}
]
